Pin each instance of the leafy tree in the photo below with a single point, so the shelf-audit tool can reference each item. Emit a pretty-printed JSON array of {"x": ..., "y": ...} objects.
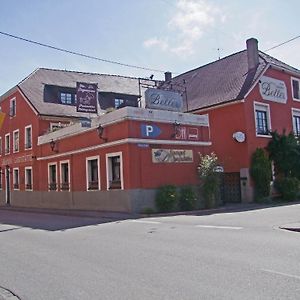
[{"x": 261, "y": 173}]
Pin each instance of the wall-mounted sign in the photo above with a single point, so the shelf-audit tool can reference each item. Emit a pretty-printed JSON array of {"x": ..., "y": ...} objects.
[
  {"x": 273, "y": 89},
  {"x": 150, "y": 130},
  {"x": 86, "y": 97},
  {"x": 172, "y": 156},
  {"x": 86, "y": 122},
  {"x": 239, "y": 136},
  {"x": 218, "y": 169},
  {"x": 164, "y": 100},
  {"x": 184, "y": 133}
]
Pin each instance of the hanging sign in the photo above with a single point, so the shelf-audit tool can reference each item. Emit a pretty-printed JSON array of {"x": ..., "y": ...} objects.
[
  {"x": 86, "y": 97},
  {"x": 163, "y": 100},
  {"x": 273, "y": 89},
  {"x": 172, "y": 156}
]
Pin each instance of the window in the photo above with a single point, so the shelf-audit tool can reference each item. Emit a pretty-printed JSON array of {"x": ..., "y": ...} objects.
[
  {"x": 52, "y": 177},
  {"x": 296, "y": 89},
  {"x": 28, "y": 137},
  {"x": 66, "y": 98},
  {"x": 16, "y": 179},
  {"x": 28, "y": 178},
  {"x": 57, "y": 126},
  {"x": 16, "y": 141},
  {"x": 12, "y": 107},
  {"x": 118, "y": 102},
  {"x": 114, "y": 171},
  {"x": 64, "y": 176},
  {"x": 93, "y": 173},
  {"x": 7, "y": 143},
  {"x": 296, "y": 121},
  {"x": 262, "y": 119}
]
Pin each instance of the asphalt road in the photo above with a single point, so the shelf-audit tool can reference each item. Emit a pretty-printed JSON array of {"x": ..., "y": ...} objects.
[{"x": 233, "y": 255}]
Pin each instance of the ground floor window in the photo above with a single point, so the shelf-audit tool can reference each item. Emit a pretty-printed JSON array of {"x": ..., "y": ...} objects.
[
  {"x": 52, "y": 177},
  {"x": 114, "y": 171},
  {"x": 28, "y": 179},
  {"x": 64, "y": 176},
  {"x": 262, "y": 119},
  {"x": 92, "y": 173},
  {"x": 16, "y": 181},
  {"x": 296, "y": 121}
]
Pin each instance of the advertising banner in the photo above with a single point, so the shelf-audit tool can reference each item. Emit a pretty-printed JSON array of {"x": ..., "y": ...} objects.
[{"x": 86, "y": 97}]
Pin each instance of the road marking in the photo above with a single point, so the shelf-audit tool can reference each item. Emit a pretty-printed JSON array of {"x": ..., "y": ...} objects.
[
  {"x": 145, "y": 222},
  {"x": 282, "y": 274},
  {"x": 219, "y": 227}
]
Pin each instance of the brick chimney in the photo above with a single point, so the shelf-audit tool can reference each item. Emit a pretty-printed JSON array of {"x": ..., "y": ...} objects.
[
  {"x": 168, "y": 76},
  {"x": 252, "y": 53}
]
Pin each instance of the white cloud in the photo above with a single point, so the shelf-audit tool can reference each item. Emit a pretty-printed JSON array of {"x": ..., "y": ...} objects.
[{"x": 190, "y": 21}]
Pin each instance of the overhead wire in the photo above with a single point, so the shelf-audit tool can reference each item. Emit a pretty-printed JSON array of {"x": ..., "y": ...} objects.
[
  {"x": 283, "y": 43},
  {"x": 80, "y": 54}
]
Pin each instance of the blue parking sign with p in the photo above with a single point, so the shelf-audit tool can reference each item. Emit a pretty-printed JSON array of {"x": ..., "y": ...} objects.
[{"x": 148, "y": 130}]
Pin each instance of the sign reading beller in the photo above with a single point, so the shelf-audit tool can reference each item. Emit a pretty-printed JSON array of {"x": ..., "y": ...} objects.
[
  {"x": 86, "y": 97},
  {"x": 273, "y": 89},
  {"x": 164, "y": 100},
  {"x": 172, "y": 156}
]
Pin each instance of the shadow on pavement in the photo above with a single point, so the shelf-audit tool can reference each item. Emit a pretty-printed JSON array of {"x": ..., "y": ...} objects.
[{"x": 51, "y": 221}]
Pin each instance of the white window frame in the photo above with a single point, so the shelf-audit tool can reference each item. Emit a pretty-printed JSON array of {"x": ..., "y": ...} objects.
[
  {"x": 25, "y": 137},
  {"x": 295, "y": 112},
  {"x": 97, "y": 157},
  {"x": 14, "y": 141},
  {"x": 14, "y": 179},
  {"x": 265, "y": 107},
  {"x": 109, "y": 169},
  {"x": 56, "y": 177},
  {"x": 11, "y": 106},
  {"x": 69, "y": 174},
  {"x": 292, "y": 89},
  {"x": 7, "y": 147},
  {"x": 26, "y": 179}
]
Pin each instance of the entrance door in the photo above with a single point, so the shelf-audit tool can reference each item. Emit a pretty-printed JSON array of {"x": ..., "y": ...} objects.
[
  {"x": 7, "y": 186},
  {"x": 231, "y": 188}
]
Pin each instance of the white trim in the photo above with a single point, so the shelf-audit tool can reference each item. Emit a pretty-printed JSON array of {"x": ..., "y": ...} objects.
[
  {"x": 108, "y": 168},
  {"x": 87, "y": 159},
  {"x": 13, "y": 144},
  {"x": 295, "y": 112},
  {"x": 297, "y": 79},
  {"x": 14, "y": 179},
  {"x": 56, "y": 177},
  {"x": 25, "y": 137},
  {"x": 67, "y": 161},
  {"x": 267, "y": 106},
  {"x": 5, "y": 144},
  {"x": 28, "y": 168},
  {"x": 125, "y": 141},
  {"x": 27, "y": 101}
]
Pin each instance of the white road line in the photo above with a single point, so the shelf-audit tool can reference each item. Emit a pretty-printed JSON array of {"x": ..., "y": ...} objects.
[
  {"x": 219, "y": 227},
  {"x": 282, "y": 274},
  {"x": 144, "y": 222}
]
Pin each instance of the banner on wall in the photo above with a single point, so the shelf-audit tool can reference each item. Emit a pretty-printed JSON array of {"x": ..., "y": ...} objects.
[
  {"x": 86, "y": 97},
  {"x": 172, "y": 156}
]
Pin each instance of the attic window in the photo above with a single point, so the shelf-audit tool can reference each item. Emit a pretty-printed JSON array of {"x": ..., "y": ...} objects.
[
  {"x": 118, "y": 102},
  {"x": 65, "y": 98}
]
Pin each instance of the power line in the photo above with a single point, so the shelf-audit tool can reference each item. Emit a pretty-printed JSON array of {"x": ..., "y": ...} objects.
[
  {"x": 296, "y": 37},
  {"x": 80, "y": 54}
]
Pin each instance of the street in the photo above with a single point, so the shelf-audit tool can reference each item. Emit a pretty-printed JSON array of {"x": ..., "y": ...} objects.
[{"x": 230, "y": 255}]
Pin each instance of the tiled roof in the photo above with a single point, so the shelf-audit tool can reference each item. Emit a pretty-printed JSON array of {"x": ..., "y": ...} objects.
[
  {"x": 33, "y": 88},
  {"x": 222, "y": 81}
]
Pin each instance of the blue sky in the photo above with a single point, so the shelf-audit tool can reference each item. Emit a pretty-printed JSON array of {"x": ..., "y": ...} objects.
[{"x": 170, "y": 35}]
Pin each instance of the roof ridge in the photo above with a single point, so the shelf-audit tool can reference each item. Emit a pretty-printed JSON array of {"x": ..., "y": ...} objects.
[{"x": 86, "y": 73}]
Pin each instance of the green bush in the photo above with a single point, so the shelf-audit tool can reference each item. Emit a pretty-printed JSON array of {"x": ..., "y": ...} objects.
[
  {"x": 187, "y": 198},
  {"x": 166, "y": 198},
  {"x": 261, "y": 173},
  {"x": 288, "y": 187}
]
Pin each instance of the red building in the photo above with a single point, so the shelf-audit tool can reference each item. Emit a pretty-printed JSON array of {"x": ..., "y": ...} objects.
[
  {"x": 246, "y": 95},
  {"x": 50, "y": 159}
]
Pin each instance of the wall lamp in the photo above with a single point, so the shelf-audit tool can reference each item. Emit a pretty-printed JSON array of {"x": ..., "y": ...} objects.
[
  {"x": 53, "y": 146},
  {"x": 176, "y": 127},
  {"x": 100, "y": 131}
]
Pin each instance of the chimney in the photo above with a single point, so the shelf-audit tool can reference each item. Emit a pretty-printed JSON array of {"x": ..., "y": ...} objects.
[
  {"x": 168, "y": 76},
  {"x": 252, "y": 53}
]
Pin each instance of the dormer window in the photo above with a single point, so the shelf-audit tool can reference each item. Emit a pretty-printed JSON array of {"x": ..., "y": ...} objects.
[
  {"x": 118, "y": 102},
  {"x": 66, "y": 98}
]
